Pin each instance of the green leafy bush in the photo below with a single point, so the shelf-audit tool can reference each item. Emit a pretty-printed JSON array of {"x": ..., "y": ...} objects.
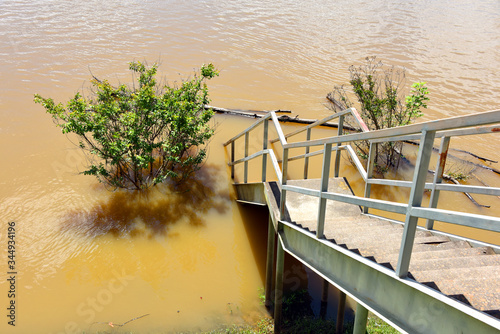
[
  {"x": 139, "y": 136},
  {"x": 379, "y": 91}
]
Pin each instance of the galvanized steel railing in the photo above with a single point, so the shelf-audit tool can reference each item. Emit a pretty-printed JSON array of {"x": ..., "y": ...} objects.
[{"x": 426, "y": 132}]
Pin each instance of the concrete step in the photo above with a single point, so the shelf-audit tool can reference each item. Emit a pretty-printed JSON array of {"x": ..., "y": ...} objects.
[
  {"x": 304, "y": 207},
  {"x": 438, "y": 246},
  {"x": 365, "y": 226},
  {"x": 306, "y": 229},
  {"x": 455, "y": 262},
  {"x": 364, "y": 222},
  {"x": 353, "y": 219},
  {"x": 362, "y": 233},
  {"x": 438, "y": 275},
  {"x": 389, "y": 243},
  {"x": 482, "y": 293},
  {"x": 384, "y": 249},
  {"x": 389, "y": 233},
  {"x": 435, "y": 254}
]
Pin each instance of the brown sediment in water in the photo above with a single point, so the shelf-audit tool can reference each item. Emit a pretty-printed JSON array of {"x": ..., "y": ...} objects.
[{"x": 87, "y": 255}]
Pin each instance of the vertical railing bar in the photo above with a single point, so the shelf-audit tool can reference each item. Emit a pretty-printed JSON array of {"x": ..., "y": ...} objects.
[
  {"x": 416, "y": 194},
  {"x": 360, "y": 319},
  {"x": 306, "y": 159},
  {"x": 232, "y": 160},
  {"x": 338, "y": 155},
  {"x": 271, "y": 239},
  {"x": 278, "y": 286},
  {"x": 245, "y": 175},
  {"x": 264, "y": 147},
  {"x": 369, "y": 173},
  {"x": 283, "y": 182},
  {"x": 438, "y": 178},
  {"x": 325, "y": 175}
]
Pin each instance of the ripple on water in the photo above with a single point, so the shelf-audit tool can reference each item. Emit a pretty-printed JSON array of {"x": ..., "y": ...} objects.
[{"x": 273, "y": 54}]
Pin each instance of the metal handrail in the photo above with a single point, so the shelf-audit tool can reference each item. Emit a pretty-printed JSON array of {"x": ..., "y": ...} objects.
[
  {"x": 485, "y": 118},
  {"x": 425, "y": 132},
  {"x": 315, "y": 124}
]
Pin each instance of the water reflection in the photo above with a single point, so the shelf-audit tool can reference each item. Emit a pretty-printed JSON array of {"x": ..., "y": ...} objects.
[{"x": 151, "y": 212}]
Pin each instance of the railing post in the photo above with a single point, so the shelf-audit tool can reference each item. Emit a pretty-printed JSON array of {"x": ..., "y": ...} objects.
[
  {"x": 360, "y": 319},
  {"x": 325, "y": 175},
  {"x": 232, "y": 160},
  {"x": 324, "y": 300},
  {"x": 369, "y": 173},
  {"x": 245, "y": 175},
  {"x": 271, "y": 236},
  {"x": 283, "y": 182},
  {"x": 306, "y": 159},
  {"x": 416, "y": 194},
  {"x": 337, "y": 157},
  {"x": 264, "y": 147},
  {"x": 340, "y": 313},
  {"x": 438, "y": 177},
  {"x": 278, "y": 294}
]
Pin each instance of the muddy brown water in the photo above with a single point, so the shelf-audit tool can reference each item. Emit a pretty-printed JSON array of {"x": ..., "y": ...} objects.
[{"x": 194, "y": 259}]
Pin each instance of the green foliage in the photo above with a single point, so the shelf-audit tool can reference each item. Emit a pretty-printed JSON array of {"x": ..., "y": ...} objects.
[
  {"x": 139, "y": 136},
  {"x": 376, "y": 325},
  {"x": 378, "y": 90},
  {"x": 460, "y": 176},
  {"x": 262, "y": 296},
  {"x": 296, "y": 305},
  {"x": 263, "y": 326}
]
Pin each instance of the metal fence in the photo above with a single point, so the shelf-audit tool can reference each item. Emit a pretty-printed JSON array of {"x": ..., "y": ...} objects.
[{"x": 427, "y": 133}]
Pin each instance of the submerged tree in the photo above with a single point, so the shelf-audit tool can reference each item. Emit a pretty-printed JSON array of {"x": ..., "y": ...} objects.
[
  {"x": 379, "y": 91},
  {"x": 139, "y": 136}
]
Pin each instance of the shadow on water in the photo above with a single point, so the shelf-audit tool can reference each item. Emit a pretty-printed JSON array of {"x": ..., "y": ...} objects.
[
  {"x": 302, "y": 286},
  {"x": 151, "y": 212},
  {"x": 255, "y": 220}
]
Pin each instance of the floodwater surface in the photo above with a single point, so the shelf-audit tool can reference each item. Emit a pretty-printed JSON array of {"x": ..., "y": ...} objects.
[{"x": 190, "y": 259}]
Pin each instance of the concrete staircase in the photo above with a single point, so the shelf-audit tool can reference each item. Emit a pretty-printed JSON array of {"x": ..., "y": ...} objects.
[{"x": 468, "y": 274}]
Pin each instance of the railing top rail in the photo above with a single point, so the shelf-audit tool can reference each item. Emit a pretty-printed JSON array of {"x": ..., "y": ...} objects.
[
  {"x": 352, "y": 111},
  {"x": 250, "y": 128},
  {"x": 478, "y": 119},
  {"x": 317, "y": 123},
  {"x": 447, "y": 133},
  {"x": 276, "y": 123},
  {"x": 359, "y": 120}
]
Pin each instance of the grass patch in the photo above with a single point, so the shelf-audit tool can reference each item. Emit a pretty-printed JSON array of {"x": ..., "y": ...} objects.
[
  {"x": 298, "y": 318},
  {"x": 378, "y": 326},
  {"x": 307, "y": 325},
  {"x": 302, "y": 325}
]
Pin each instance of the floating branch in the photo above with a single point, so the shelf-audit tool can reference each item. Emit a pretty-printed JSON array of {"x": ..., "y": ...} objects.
[
  {"x": 111, "y": 324},
  {"x": 452, "y": 179},
  {"x": 463, "y": 151},
  {"x": 245, "y": 113},
  {"x": 283, "y": 118}
]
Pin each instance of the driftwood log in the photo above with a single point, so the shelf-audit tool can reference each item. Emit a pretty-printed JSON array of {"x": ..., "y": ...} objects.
[
  {"x": 244, "y": 113},
  {"x": 452, "y": 179},
  {"x": 494, "y": 170},
  {"x": 282, "y": 118}
]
